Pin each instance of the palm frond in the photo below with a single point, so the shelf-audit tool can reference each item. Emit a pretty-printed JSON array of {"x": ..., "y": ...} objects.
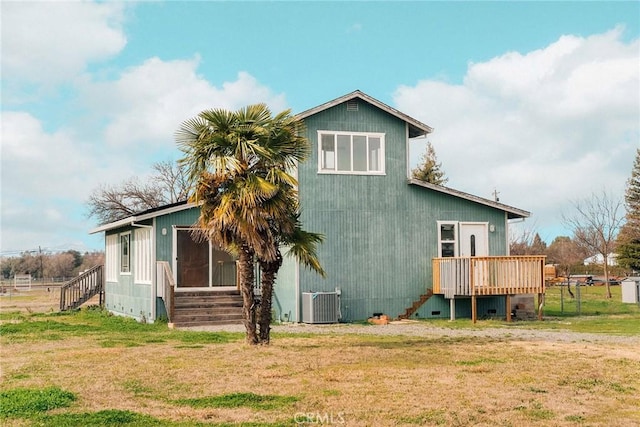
[
  {"x": 303, "y": 247},
  {"x": 238, "y": 163}
]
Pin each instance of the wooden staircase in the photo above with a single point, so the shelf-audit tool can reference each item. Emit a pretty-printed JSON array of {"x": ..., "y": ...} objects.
[
  {"x": 200, "y": 308},
  {"x": 83, "y": 288},
  {"x": 416, "y": 305}
]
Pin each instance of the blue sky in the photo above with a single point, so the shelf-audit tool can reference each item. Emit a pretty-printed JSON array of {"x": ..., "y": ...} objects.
[{"x": 539, "y": 100}]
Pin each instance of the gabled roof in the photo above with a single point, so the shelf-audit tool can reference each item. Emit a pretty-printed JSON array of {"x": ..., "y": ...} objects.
[
  {"x": 416, "y": 127},
  {"x": 144, "y": 215},
  {"x": 512, "y": 213}
]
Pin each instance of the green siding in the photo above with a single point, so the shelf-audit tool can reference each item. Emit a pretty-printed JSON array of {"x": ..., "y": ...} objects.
[
  {"x": 284, "y": 297},
  {"x": 381, "y": 232},
  {"x": 125, "y": 297},
  {"x": 131, "y": 300},
  {"x": 136, "y": 300},
  {"x": 164, "y": 243}
]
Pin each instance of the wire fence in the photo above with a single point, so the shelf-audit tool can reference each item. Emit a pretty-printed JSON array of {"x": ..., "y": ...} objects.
[{"x": 578, "y": 299}]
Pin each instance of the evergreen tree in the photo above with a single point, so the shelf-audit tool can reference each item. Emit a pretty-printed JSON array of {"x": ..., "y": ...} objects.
[
  {"x": 538, "y": 247},
  {"x": 629, "y": 238},
  {"x": 632, "y": 195},
  {"x": 525, "y": 244},
  {"x": 429, "y": 168}
]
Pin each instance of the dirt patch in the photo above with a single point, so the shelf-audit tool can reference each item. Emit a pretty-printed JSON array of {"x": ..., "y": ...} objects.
[{"x": 41, "y": 299}]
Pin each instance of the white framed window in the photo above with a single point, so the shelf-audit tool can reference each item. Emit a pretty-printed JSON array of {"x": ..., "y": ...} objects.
[
  {"x": 142, "y": 255},
  {"x": 125, "y": 253},
  {"x": 447, "y": 239},
  {"x": 111, "y": 258},
  {"x": 356, "y": 153}
]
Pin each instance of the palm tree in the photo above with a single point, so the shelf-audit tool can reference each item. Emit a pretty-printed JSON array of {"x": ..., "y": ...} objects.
[
  {"x": 286, "y": 231},
  {"x": 238, "y": 163},
  {"x": 227, "y": 217}
]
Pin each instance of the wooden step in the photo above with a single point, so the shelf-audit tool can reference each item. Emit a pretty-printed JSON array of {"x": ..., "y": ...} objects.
[
  {"x": 195, "y": 303},
  {"x": 416, "y": 305},
  {"x": 198, "y": 308}
]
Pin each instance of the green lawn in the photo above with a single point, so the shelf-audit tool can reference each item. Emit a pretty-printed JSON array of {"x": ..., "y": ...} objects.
[
  {"x": 592, "y": 301},
  {"x": 90, "y": 368},
  {"x": 598, "y": 314}
]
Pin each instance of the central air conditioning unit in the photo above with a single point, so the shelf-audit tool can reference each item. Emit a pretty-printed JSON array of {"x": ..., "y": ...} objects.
[{"x": 320, "y": 307}]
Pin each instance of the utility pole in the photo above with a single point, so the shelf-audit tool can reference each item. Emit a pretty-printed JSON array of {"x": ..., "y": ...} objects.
[
  {"x": 495, "y": 195},
  {"x": 41, "y": 270}
]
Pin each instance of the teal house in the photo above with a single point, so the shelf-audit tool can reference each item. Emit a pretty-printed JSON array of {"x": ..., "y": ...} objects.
[{"x": 393, "y": 245}]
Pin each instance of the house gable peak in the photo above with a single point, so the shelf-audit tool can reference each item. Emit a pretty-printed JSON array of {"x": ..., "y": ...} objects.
[{"x": 416, "y": 127}]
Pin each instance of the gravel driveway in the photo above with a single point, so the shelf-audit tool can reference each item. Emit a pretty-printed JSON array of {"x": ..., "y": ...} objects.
[{"x": 423, "y": 329}]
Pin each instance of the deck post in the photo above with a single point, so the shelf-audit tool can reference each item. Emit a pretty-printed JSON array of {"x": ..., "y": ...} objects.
[
  {"x": 474, "y": 314},
  {"x": 507, "y": 306},
  {"x": 452, "y": 309},
  {"x": 540, "y": 305}
]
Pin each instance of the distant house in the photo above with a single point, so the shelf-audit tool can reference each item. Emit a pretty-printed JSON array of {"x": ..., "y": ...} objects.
[
  {"x": 393, "y": 245},
  {"x": 598, "y": 259}
]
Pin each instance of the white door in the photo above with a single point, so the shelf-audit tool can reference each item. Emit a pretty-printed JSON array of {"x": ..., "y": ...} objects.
[{"x": 474, "y": 239}]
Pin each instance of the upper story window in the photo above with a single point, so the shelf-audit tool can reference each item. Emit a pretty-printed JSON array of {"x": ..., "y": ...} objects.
[{"x": 357, "y": 153}]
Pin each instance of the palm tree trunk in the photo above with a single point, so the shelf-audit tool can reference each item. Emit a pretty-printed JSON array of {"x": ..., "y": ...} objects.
[
  {"x": 269, "y": 271},
  {"x": 245, "y": 260}
]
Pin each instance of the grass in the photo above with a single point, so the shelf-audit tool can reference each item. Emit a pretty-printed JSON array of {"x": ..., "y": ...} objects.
[
  {"x": 92, "y": 369},
  {"x": 236, "y": 400},
  {"x": 558, "y": 302},
  {"x": 599, "y": 315},
  {"x": 107, "y": 330},
  {"x": 24, "y": 402}
]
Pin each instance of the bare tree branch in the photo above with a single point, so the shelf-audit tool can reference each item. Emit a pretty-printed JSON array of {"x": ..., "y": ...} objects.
[
  {"x": 595, "y": 224},
  {"x": 167, "y": 185}
]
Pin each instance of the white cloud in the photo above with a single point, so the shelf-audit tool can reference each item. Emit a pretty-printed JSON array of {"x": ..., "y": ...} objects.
[
  {"x": 147, "y": 103},
  {"x": 128, "y": 124},
  {"x": 44, "y": 175},
  {"x": 544, "y": 128},
  {"x": 52, "y": 42},
  {"x": 36, "y": 163}
]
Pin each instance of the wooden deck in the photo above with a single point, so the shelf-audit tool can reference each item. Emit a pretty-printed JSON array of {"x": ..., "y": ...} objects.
[{"x": 485, "y": 276}]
